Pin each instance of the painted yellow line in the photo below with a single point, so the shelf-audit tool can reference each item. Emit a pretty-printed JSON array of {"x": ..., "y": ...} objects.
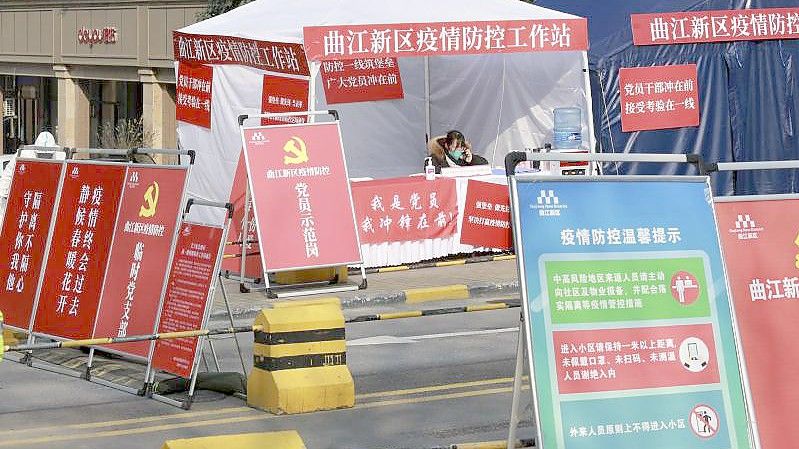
[
  {"x": 478, "y": 383},
  {"x": 390, "y": 269},
  {"x": 490, "y": 306},
  {"x": 508, "y": 257},
  {"x": 501, "y": 444},
  {"x": 449, "y": 263},
  {"x": 306, "y": 302},
  {"x": 395, "y": 315},
  {"x": 447, "y": 292}
]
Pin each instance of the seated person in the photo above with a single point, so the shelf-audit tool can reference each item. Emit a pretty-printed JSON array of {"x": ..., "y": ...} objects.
[{"x": 452, "y": 150}]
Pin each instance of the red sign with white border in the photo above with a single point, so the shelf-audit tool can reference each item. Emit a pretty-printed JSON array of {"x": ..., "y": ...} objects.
[
  {"x": 486, "y": 216},
  {"x": 405, "y": 209},
  {"x": 355, "y": 80},
  {"x": 761, "y": 254},
  {"x": 188, "y": 296},
  {"x": 659, "y": 97},
  {"x": 301, "y": 196},
  {"x": 76, "y": 265},
  {"x": 193, "y": 93},
  {"x": 29, "y": 212},
  {"x": 137, "y": 268},
  {"x": 715, "y": 26},
  {"x": 284, "y": 94}
]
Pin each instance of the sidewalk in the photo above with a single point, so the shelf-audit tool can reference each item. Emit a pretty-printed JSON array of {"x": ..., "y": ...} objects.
[{"x": 455, "y": 282}]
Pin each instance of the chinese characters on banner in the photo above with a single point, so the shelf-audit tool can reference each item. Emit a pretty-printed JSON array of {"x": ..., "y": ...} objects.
[
  {"x": 301, "y": 196},
  {"x": 193, "y": 93},
  {"x": 627, "y": 304},
  {"x": 277, "y": 57},
  {"x": 486, "y": 216},
  {"x": 715, "y": 26},
  {"x": 659, "y": 97},
  {"x": 444, "y": 38},
  {"x": 191, "y": 278},
  {"x": 145, "y": 227},
  {"x": 76, "y": 265},
  {"x": 233, "y": 251},
  {"x": 282, "y": 94},
  {"x": 761, "y": 250},
  {"x": 405, "y": 209},
  {"x": 370, "y": 79},
  {"x": 29, "y": 211}
]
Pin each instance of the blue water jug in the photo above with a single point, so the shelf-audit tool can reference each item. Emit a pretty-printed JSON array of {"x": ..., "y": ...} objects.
[{"x": 568, "y": 129}]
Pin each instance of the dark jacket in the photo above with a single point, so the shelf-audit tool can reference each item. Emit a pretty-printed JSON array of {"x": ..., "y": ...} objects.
[{"x": 440, "y": 158}]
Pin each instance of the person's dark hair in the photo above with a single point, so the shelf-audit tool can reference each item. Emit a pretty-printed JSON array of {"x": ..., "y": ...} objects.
[{"x": 455, "y": 136}]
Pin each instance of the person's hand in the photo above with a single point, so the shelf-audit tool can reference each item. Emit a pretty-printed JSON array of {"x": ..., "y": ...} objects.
[{"x": 467, "y": 152}]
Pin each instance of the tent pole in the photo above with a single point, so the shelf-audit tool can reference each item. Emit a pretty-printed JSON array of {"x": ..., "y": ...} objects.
[
  {"x": 428, "y": 135},
  {"x": 312, "y": 89},
  {"x": 589, "y": 115}
]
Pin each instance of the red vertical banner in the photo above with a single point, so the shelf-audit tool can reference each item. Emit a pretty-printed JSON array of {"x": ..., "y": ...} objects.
[
  {"x": 193, "y": 93},
  {"x": 301, "y": 195},
  {"x": 29, "y": 212},
  {"x": 283, "y": 94},
  {"x": 233, "y": 251},
  {"x": 75, "y": 268},
  {"x": 659, "y": 97},
  {"x": 188, "y": 294},
  {"x": 370, "y": 79},
  {"x": 486, "y": 216},
  {"x": 761, "y": 251},
  {"x": 148, "y": 214}
]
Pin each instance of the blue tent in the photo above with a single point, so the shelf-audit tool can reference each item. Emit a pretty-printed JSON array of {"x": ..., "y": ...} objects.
[{"x": 749, "y": 94}]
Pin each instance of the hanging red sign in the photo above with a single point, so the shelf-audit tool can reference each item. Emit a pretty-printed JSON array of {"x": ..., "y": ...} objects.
[
  {"x": 370, "y": 79},
  {"x": 301, "y": 196},
  {"x": 145, "y": 228},
  {"x": 76, "y": 265},
  {"x": 29, "y": 211},
  {"x": 486, "y": 216},
  {"x": 715, "y": 26},
  {"x": 405, "y": 209},
  {"x": 659, "y": 97},
  {"x": 193, "y": 93},
  {"x": 188, "y": 296},
  {"x": 283, "y": 94}
]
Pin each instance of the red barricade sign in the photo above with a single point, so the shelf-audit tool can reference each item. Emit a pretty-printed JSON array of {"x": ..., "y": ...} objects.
[
  {"x": 145, "y": 228},
  {"x": 29, "y": 212},
  {"x": 761, "y": 251},
  {"x": 486, "y": 216},
  {"x": 405, "y": 209},
  {"x": 301, "y": 196},
  {"x": 75, "y": 268},
  {"x": 659, "y": 97},
  {"x": 233, "y": 251},
  {"x": 191, "y": 279}
]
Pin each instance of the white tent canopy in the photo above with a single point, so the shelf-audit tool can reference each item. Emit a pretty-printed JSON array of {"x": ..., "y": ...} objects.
[{"x": 501, "y": 102}]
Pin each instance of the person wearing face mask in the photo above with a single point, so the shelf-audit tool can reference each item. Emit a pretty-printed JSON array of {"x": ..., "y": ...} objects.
[{"x": 452, "y": 150}]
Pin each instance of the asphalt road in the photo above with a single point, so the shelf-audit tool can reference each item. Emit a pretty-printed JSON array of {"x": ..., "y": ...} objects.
[{"x": 420, "y": 383}]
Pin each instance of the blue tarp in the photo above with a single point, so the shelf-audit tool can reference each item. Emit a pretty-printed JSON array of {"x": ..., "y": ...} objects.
[{"x": 748, "y": 94}]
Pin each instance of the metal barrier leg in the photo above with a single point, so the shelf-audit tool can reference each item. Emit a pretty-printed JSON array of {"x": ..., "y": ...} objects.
[{"x": 517, "y": 388}]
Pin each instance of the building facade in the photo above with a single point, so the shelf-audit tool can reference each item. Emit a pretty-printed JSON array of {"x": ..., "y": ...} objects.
[{"x": 74, "y": 67}]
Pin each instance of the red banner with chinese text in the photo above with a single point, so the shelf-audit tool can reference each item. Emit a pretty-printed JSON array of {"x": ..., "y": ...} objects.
[
  {"x": 187, "y": 297},
  {"x": 280, "y": 57},
  {"x": 193, "y": 93},
  {"x": 370, "y": 79},
  {"x": 405, "y": 209},
  {"x": 77, "y": 261},
  {"x": 486, "y": 216},
  {"x": 761, "y": 252},
  {"x": 715, "y": 26},
  {"x": 301, "y": 196},
  {"x": 137, "y": 267},
  {"x": 282, "y": 94},
  {"x": 659, "y": 97},
  {"x": 323, "y": 43},
  {"x": 233, "y": 251},
  {"x": 29, "y": 212}
]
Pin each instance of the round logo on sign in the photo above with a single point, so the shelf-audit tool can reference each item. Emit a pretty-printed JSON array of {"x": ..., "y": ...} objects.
[
  {"x": 684, "y": 288},
  {"x": 694, "y": 354},
  {"x": 704, "y": 421}
]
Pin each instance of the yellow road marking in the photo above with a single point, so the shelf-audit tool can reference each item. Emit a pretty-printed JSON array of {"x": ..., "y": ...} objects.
[{"x": 478, "y": 383}]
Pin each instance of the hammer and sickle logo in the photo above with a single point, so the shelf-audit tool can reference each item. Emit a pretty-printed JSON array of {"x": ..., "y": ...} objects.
[
  {"x": 150, "y": 201},
  {"x": 296, "y": 148}
]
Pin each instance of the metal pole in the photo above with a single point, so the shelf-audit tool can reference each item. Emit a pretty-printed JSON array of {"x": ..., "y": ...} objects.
[
  {"x": 230, "y": 317},
  {"x": 517, "y": 387},
  {"x": 213, "y": 355},
  {"x": 245, "y": 228}
]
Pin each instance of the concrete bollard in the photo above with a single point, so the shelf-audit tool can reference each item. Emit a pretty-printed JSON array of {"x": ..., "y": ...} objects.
[{"x": 300, "y": 361}]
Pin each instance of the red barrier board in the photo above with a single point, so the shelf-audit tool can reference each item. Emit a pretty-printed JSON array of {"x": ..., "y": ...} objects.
[
  {"x": 715, "y": 26},
  {"x": 761, "y": 251},
  {"x": 76, "y": 265},
  {"x": 283, "y": 94},
  {"x": 370, "y": 79},
  {"x": 29, "y": 212},
  {"x": 193, "y": 93},
  {"x": 659, "y": 97},
  {"x": 187, "y": 296},
  {"x": 301, "y": 196},
  {"x": 324, "y": 43},
  {"x": 486, "y": 216},
  {"x": 405, "y": 209},
  {"x": 233, "y": 251},
  {"x": 137, "y": 268}
]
